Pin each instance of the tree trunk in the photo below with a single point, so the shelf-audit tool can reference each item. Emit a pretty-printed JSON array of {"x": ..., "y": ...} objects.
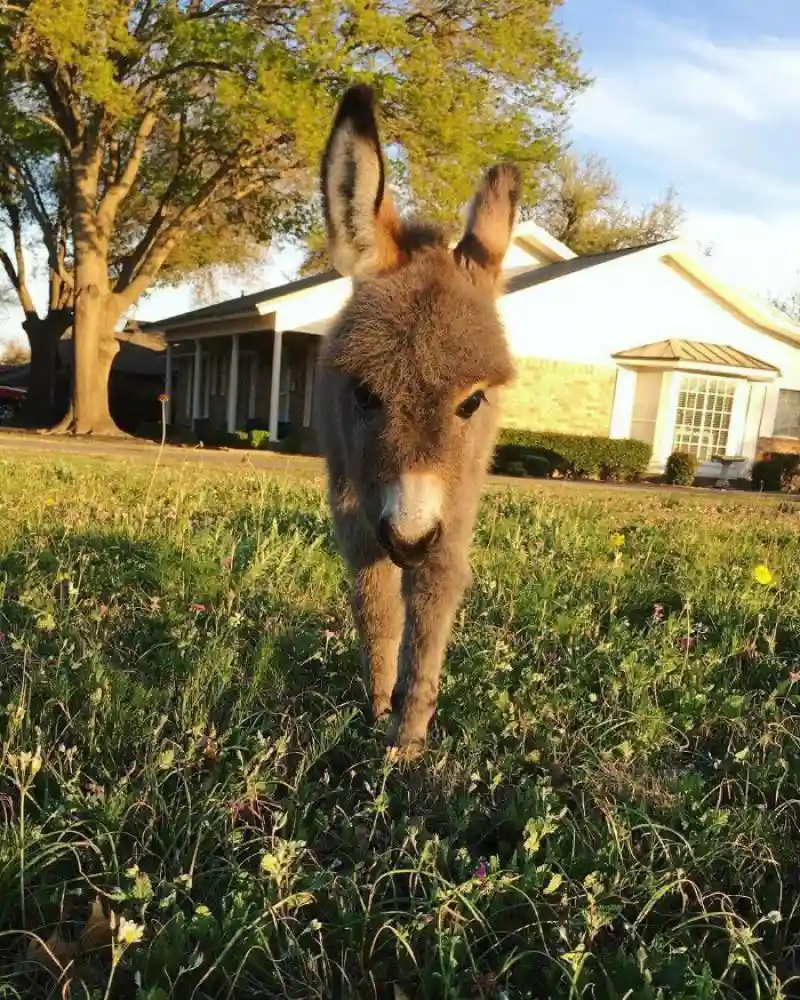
[
  {"x": 94, "y": 350},
  {"x": 44, "y": 336}
]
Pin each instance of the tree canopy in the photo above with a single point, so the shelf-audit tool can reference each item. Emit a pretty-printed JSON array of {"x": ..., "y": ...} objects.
[
  {"x": 179, "y": 131},
  {"x": 581, "y": 205}
]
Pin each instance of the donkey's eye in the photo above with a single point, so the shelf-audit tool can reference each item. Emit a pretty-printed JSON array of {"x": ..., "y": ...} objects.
[
  {"x": 365, "y": 399},
  {"x": 468, "y": 406}
]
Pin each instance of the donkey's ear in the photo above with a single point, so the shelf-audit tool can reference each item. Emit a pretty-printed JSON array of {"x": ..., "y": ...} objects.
[
  {"x": 362, "y": 223},
  {"x": 489, "y": 224}
]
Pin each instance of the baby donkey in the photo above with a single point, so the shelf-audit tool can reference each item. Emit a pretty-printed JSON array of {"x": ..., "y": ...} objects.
[{"x": 409, "y": 386}]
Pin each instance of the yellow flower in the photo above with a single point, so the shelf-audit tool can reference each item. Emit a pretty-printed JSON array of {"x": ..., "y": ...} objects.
[
  {"x": 129, "y": 932},
  {"x": 762, "y": 575},
  {"x": 617, "y": 540}
]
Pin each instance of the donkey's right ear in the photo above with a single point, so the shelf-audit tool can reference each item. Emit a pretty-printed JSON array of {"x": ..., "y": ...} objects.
[{"x": 361, "y": 221}]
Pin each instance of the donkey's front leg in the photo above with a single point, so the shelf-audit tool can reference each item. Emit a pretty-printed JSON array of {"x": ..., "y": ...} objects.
[
  {"x": 378, "y": 610},
  {"x": 432, "y": 594}
]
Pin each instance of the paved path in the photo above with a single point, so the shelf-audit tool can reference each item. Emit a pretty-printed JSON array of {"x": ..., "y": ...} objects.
[{"x": 142, "y": 452}]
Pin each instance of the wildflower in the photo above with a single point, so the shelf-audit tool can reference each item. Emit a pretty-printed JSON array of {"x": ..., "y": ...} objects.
[
  {"x": 794, "y": 676},
  {"x": 103, "y": 610},
  {"x": 163, "y": 398},
  {"x": 658, "y": 612},
  {"x": 762, "y": 575},
  {"x": 617, "y": 540},
  {"x": 129, "y": 932},
  {"x": 687, "y": 643},
  {"x": 480, "y": 872},
  {"x": 198, "y": 607}
]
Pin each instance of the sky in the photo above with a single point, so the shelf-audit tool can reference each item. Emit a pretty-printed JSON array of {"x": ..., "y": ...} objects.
[{"x": 700, "y": 95}]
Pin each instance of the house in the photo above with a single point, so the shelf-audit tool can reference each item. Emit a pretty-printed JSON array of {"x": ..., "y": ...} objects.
[{"x": 643, "y": 342}]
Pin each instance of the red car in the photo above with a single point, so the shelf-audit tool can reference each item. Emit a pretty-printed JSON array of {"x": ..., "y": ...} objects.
[{"x": 11, "y": 399}]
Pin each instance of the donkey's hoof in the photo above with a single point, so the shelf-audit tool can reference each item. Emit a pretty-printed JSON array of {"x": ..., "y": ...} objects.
[
  {"x": 405, "y": 753},
  {"x": 381, "y": 709}
]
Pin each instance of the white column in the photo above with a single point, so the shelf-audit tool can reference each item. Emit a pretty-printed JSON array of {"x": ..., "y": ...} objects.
[
  {"x": 197, "y": 378},
  {"x": 168, "y": 386},
  {"x": 275, "y": 385},
  {"x": 311, "y": 372},
  {"x": 622, "y": 408},
  {"x": 233, "y": 384}
]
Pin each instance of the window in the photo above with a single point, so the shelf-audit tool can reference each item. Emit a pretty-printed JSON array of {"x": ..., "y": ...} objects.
[
  {"x": 787, "y": 417},
  {"x": 284, "y": 395},
  {"x": 704, "y": 412}
]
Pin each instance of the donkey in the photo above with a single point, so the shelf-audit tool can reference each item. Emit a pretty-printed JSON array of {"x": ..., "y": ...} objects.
[{"x": 409, "y": 382}]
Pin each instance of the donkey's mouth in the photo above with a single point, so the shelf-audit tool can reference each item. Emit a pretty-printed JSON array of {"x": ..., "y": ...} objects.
[{"x": 406, "y": 555}]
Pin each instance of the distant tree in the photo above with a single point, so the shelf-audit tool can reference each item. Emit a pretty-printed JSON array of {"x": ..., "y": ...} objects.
[
  {"x": 788, "y": 304},
  {"x": 185, "y": 124},
  {"x": 581, "y": 205},
  {"x": 14, "y": 352}
]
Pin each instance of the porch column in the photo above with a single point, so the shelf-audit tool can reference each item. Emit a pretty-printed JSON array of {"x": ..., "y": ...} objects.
[
  {"x": 197, "y": 378},
  {"x": 168, "y": 385},
  {"x": 233, "y": 384},
  {"x": 275, "y": 385}
]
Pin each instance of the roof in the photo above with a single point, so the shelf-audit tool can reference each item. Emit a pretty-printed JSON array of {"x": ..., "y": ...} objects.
[
  {"x": 697, "y": 351},
  {"x": 245, "y": 303},
  {"x": 522, "y": 278}
]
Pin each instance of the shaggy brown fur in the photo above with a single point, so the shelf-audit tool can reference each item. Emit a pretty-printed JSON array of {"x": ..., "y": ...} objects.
[{"x": 410, "y": 380}]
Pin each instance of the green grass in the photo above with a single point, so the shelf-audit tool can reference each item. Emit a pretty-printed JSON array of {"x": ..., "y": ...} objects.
[{"x": 609, "y": 806}]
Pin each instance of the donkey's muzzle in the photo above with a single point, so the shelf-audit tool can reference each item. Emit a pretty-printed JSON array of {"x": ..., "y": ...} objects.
[{"x": 403, "y": 553}]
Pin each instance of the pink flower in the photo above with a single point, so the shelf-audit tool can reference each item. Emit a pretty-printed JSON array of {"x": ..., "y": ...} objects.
[
  {"x": 480, "y": 872},
  {"x": 103, "y": 610},
  {"x": 687, "y": 643},
  {"x": 794, "y": 676},
  {"x": 198, "y": 607},
  {"x": 658, "y": 612}
]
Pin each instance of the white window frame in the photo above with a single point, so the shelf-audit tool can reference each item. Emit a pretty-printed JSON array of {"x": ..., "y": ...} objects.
[{"x": 711, "y": 440}]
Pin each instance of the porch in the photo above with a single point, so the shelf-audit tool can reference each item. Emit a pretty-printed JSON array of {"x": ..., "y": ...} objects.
[{"x": 229, "y": 382}]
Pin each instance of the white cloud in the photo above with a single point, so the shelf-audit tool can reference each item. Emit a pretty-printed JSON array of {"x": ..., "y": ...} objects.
[{"x": 716, "y": 119}]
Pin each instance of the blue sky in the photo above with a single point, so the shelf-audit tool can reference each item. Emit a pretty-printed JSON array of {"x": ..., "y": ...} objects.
[{"x": 703, "y": 95}]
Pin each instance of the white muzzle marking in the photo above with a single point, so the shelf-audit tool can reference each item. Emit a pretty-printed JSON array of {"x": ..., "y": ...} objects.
[{"x": 413, "y": 504}]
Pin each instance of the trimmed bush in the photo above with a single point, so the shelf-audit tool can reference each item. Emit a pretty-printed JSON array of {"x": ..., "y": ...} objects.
[
  {"x": 775, "y": 472},
  {"x": 576, "y": 456},
  {"x": 537, "y": 466},
  {"x": 681, "y": 469},
  {"x": 259, "y": 438}
]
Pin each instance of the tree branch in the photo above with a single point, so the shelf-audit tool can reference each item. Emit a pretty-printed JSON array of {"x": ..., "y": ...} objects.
[
  {"x": 119, "y": 190},
  {"x": 155, "y": 248}
]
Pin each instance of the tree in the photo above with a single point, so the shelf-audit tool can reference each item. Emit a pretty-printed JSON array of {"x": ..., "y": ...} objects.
[
  {"x": 14, "y": 352},
  {"x": 175, "y": 117},
  {"x": 581, "y": 206},
  {"x": 789, "y": 305}
]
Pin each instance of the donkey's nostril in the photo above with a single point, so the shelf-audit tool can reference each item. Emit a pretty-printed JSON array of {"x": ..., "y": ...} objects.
[{"x": 403, "y": 553}]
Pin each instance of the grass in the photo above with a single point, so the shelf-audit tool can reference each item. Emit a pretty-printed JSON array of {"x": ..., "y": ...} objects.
[{"x": 609, "y": 807}]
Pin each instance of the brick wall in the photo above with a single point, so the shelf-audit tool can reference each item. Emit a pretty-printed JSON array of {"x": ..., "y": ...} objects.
[
  {"x": 560, "y": 396},
  {"x": 777, "y": 445}
]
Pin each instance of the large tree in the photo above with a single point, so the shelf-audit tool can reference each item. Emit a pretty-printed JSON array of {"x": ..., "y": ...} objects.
[
  {"x": 174, "y": 118},
  {"x": 581, "y": 205}
]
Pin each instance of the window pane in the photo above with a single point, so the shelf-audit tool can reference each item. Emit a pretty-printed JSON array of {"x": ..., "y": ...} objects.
[
  {"x": 787, "y": 417},
  {"x": 704, "y": 412}
]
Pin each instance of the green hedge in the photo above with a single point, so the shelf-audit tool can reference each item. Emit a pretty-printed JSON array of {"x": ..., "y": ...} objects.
[{"x": 574, "y": 455}]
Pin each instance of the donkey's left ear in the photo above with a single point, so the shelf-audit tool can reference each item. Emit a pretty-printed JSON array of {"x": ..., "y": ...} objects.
[
  {"x": 489, "y": 224},
  {"x": 361, "y": 221}
]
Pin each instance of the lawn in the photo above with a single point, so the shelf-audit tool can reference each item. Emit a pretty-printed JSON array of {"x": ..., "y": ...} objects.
[{"x": 192, "y": 803}]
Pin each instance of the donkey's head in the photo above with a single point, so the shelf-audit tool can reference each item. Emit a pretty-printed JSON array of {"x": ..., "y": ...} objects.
[{"x": 418, "y": 354}]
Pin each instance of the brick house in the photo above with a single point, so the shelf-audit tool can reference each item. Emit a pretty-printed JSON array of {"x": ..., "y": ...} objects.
[{"x": 643, "y": 342}]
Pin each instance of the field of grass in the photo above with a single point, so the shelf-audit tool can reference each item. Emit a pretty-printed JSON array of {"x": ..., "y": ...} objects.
[{"x": 193, "y": 805}]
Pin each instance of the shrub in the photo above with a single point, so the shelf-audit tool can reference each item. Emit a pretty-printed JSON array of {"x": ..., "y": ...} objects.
[
  {"x": 537, "y": 466},
  {"x": 681, "y": 469},
  {"x": 775, "y": 472},
  {"x": 258, "y": 438},
  {"x": 575, "y": 455}
]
